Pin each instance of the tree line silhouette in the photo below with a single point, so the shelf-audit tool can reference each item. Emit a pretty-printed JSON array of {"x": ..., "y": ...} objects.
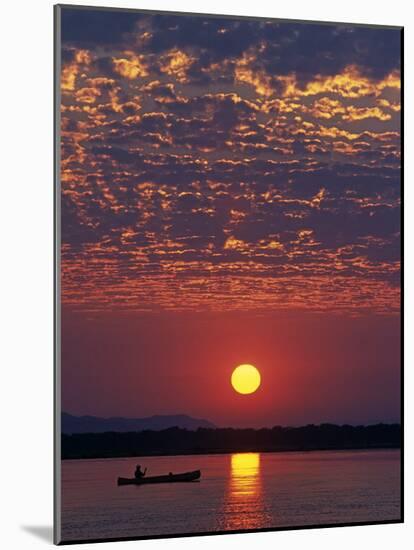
[{"x": 176, "y": 441}]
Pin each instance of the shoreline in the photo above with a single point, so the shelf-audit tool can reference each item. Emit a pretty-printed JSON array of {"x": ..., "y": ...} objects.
[{"x": 214, "y": 452}]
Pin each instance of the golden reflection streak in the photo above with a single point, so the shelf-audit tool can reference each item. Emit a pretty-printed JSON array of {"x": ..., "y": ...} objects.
[
  {"x": 244, "y": 504},
  {"x": 244, "y": 473}
]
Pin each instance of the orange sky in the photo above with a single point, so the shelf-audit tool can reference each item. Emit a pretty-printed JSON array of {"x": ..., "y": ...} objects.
[{"x": 315, "y": 368}]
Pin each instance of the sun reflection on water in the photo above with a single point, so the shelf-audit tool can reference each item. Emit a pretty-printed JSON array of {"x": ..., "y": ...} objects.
[
  {"x": 244, "y": 474},
  {"x": 244, "y": 504}
]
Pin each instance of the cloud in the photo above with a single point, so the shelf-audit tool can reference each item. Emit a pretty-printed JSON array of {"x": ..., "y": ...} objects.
[{"x": 209, "y": 163}]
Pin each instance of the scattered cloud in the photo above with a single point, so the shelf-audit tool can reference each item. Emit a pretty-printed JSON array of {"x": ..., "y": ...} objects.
[{"x": 215, "y": 164}]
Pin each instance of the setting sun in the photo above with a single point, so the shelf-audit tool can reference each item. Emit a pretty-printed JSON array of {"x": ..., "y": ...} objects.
[{"x": 245, "y": 379}]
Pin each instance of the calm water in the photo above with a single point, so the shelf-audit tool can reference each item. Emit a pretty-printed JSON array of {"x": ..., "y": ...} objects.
[{"x": 237, "y": 491}]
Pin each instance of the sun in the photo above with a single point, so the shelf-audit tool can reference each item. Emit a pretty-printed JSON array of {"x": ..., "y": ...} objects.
[{"x": 245, "y": 379}]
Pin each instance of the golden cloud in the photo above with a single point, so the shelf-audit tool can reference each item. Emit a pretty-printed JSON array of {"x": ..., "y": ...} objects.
[
  {"x": 176, "y": 63},
  {"x": 70, "y": 71},
  {"x": 350, "y": 83},
  {"x": 132, "y": 66}
]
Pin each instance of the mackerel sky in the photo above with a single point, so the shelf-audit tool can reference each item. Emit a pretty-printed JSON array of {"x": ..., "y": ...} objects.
[{"x": 233, "y": 163}]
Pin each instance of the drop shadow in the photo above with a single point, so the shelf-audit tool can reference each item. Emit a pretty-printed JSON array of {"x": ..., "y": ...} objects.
[{"x": 43, "y": 532}]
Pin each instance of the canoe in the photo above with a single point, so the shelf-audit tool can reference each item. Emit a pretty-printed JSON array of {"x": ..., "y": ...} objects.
[{"x": 170, "y": 478}]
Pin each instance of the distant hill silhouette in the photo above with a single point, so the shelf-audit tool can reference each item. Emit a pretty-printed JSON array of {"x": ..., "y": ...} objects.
[
  {"x": 93, "y": 424},
  {"x": 177, "y": 441}
]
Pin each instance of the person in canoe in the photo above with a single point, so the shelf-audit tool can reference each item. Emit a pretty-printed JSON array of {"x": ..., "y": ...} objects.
[{"x": 139, "y": 473}]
